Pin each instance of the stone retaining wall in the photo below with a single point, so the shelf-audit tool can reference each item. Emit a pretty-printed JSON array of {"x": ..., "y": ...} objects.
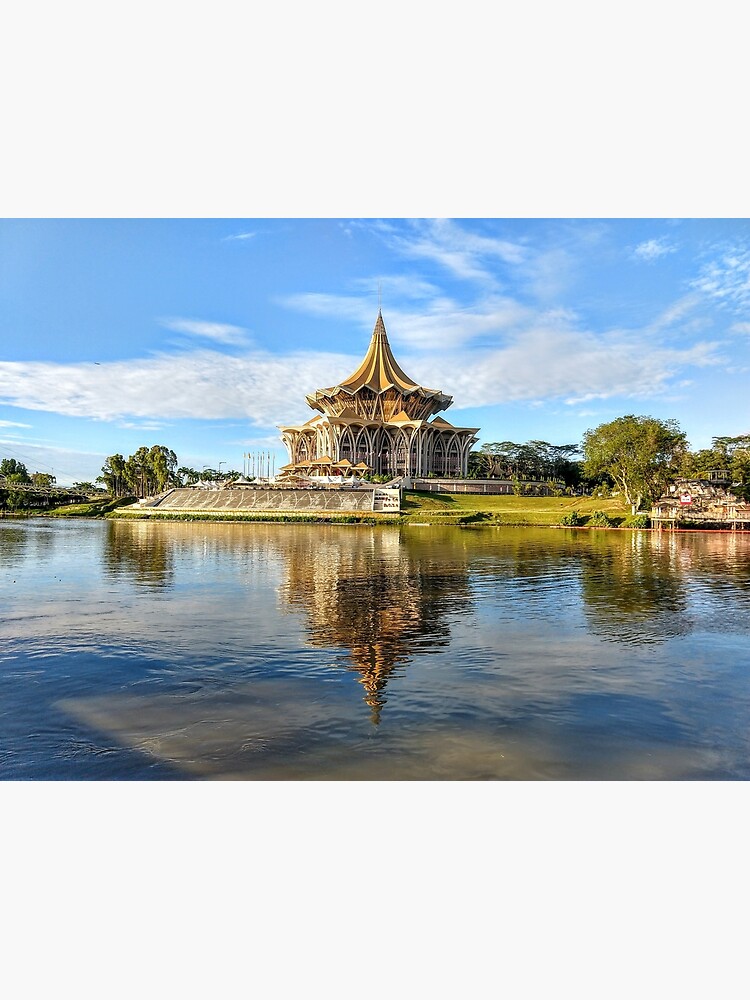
[{"x": 266, "y": 500}]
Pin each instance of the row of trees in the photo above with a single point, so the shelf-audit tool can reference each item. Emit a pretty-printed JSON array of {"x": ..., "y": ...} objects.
[
  {"x": 36, "y": 491},
  {"x": 533, "y": 460},
  {"x": 637, "y": 455},
  {"x": 147, "y": 471},
  {"x": 730, "y": 453},
  {"x": 15, "y": 472},
  {"x": 152, "y": 470},
  {"x": 641, "y": 455}
]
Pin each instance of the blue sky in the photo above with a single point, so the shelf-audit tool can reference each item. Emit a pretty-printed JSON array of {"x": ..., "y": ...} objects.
[{"x": 205, "y": 334}]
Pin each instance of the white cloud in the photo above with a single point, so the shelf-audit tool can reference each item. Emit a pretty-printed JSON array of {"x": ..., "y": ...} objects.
[
  {"x": 549, "y": 363},
  {"x": 547, "y": 274},
  {"x": 490, "y": 352},
  {"x": 266, "y": 441},
  {"x": 445, "y": 324},
  {"x": 727, "y": 279},
  {"x": 464, "y": 254},
  {"x": 674, "y": 313},
  {"x": 240, "y": 236},
  {"x": 396, "y": 287},
  {"x": 222, "y": 333},
  {"x": 205, "y": 384},
  {"x": 12, "y": 423},
  {"x": 742, "y": 328},
  {"x": 543, "y": 362},
  {"x": 653, "y": 249},
  {"x": 340, "y": 307},
  {"x": 442, "y": 323},
  {"x": 142, "y": 425}
]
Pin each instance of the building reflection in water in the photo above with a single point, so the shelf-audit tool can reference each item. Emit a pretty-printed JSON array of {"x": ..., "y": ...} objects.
[{"x": 379, "y": 596}]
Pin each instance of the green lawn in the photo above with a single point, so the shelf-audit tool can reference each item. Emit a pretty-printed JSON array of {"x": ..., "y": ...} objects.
[
  {"x": 505, "y": 509},
  {"x": 94, "y": 508}
]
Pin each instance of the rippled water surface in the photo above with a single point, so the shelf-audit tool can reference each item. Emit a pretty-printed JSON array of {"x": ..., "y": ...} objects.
[{"x": 131, "y": 650}]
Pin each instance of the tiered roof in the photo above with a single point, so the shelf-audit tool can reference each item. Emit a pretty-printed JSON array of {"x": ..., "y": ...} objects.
[{"x": 378, "y": 374}]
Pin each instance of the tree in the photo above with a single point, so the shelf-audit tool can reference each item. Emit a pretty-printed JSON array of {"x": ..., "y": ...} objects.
[
  {"x": 639, "y": 453},
  {"x": 726, "y": 453},
  {"x": 187, "y": 476},
  {"x": 532, "y": 460},
  {"x": 42, "y": 479},
  {"x": 163, "y": 463},
  {"x": 113, "y": 475},
  {"x": 14, "y": 471},
  {"x": 147, "y": 471},
  {"x": 17, "y": 499}
]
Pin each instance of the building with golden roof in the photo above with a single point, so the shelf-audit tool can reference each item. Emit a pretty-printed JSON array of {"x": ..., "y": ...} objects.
[{"x": 379, "y": 420}]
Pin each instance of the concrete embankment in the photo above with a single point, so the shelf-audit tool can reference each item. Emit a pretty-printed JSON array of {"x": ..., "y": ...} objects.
[{"x": 277, "y": 503}]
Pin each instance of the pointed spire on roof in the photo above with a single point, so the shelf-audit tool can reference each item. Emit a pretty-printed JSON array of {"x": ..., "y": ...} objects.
[{"x": 379, "y": 369}]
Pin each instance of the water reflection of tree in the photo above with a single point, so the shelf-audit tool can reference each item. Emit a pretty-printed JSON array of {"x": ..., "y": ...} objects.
[
  {"x": 380, "y": 596},
  {"x": 139, "y": 551},
  {"x": 13, "y": 544},
  {"x": 634, "y": 588}
]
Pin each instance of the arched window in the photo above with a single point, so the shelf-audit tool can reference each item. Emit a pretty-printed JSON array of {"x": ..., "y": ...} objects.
[{"x": 437, "y": 462}]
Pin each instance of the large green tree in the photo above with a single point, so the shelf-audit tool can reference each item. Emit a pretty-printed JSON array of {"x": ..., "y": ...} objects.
[
  {"x": 43, "y": 479},
  {"x": 640, "y": 454},
  {"x": 14, "y": 471},
  {"x": 145, "y": 472},
  {"x": 113, "y": 476}
]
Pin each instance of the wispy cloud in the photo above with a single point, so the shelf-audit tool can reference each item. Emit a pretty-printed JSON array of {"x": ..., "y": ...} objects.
[
  {"x": 465, "y": 254},
  {"x": 266, "y": 441},
  {"x": 440, "y": 323},
  {"x": 675, "y": 313},
  {"x": 239, "y": 236},
  {"x": 203, "y": 384},
  {"x": 542, "y": 362},
  {"x": 12, "y": 423},
  {"x": 548, "y": 273},
  {"x": 741, "y": 328},
  {"x": 651, "y": 250},
  {"x": 221, "y": 333},
  {"x": 396, "y": 287},
  {"x": 575, "y": 366},
  {"x": 351, "y": 308},
  {"x": 142, "y": 425},
  {"x": 446, "y": 324},
  {"x": 726, "y": 278}
]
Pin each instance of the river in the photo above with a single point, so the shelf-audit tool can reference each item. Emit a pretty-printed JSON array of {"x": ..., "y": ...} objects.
[{"x": 175, "y": 651}]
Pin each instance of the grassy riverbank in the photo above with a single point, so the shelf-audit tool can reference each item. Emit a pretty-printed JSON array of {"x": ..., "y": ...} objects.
[
  {"x": 417, "y": 508},
  {"x": 468, "y": 508},
  {"x": 94, "y": 508}
]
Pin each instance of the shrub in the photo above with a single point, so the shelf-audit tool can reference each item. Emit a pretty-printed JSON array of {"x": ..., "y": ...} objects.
[
  {"x": 600, "y": 520},
  {"x": 637, "y": 521},
  {"x": 572, "y": 519}
]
